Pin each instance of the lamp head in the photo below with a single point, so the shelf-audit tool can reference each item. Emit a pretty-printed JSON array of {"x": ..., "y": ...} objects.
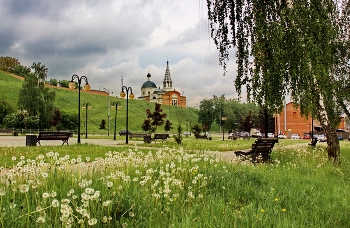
[
  {"x": 131, "y": 96},
  {"x": 87, "y": 86},
  {"x": 122, "y": 94},
  {"x": 71, "y": 85}
]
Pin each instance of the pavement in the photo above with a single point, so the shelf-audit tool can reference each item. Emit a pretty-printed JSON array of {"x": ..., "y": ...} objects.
[
  {"x": 21, "y": 141},
  {"x": 14, "y": 141}
]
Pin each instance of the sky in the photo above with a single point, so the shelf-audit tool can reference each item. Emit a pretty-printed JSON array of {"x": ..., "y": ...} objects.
[{"x": 111, "y": 40}]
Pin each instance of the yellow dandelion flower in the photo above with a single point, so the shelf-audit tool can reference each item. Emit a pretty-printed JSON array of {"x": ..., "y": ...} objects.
[
  {"x": 273, "y": 189},
  {"x": 262, "y": 210},
  {"x": 284, "y": 210},
  {"x": 276, "y": 199}
]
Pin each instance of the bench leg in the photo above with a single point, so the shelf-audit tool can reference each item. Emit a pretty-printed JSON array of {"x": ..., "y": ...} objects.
[
  {"x": 65, "y": 141},
  {"x": 38, "y": 141}
]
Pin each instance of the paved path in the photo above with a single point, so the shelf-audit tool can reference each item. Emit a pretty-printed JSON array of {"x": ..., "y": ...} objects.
[{"x": 21, "y": 141}]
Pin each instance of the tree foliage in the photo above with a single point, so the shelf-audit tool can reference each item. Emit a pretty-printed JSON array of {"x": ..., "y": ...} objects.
[
  {"x": 35, "y": 97},
  {"x": 8, "y": 64},
  {"x": 154, "y": 119},
  {"x": 285, "y": 47}
]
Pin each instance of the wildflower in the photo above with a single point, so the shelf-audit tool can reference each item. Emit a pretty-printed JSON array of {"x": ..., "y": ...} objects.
[
  {"x": 40, "y": 220},
  {"x": 125, "y": 224},
  {"x": 284, "y": 210},
  {"x": 104, "y": 219},
  {"x": 46, "y": 195},
  {"x": 2, "y": 192},
  {"x": 131, "y": 214},
  {"x": 106, "y": 203},
  {"x": 92, "y": 221},
  {"x": 23, "y": 188},
  {"x": 276, "y": 199},
  {"x": 55, "y": 203},
  {"x": 109, "y": 184},
  {"x": 262, "y": 210},
  {"x": 53, "y": 194},
  {"x": 13, "y": 158}
]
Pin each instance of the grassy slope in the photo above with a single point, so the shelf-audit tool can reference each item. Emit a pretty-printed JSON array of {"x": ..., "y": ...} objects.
[{"x": 67, "y": 100}]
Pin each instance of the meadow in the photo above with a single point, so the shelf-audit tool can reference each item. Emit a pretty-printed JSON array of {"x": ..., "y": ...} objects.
[{"x": 166, "y": 185}]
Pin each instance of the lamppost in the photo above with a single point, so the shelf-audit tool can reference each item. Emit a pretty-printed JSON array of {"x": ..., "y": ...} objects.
[
  {"x": 109, "y": 107},
  {"x": 122, "y": 94},
  {"x": 86, "y": 87},
  {"x": 115, "y": 117},
  {"x": 186, "y": 128},
  {"x": 223, "y": 132},
  {"x": 85, "y": 107}
]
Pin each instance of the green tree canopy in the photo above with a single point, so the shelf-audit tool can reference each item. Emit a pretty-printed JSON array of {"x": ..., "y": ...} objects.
[{"x": 287, "y": 48}]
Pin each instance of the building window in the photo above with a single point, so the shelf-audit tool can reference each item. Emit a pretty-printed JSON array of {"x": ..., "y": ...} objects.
[
  {"x": 149, "y": 93},
  {"x": 294, "y": 115},
  {"x": 174, "y": 102}
]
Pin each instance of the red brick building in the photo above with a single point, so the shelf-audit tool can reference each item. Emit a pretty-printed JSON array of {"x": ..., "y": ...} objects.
[{"x": 289, "y": 122}]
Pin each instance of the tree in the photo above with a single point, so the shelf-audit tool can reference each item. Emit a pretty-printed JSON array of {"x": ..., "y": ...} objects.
[
  {"x": 41, "y": 102},
  {"x": 8, "y": 64},
  {"x": 154, "y": 119},
  {"x": 56, "y": 118},
  {"x": 103, "y": 124},
  {"x": 5, "y": 109},
  {"x": 168, "y": 125},
  {"x": 206, "y": 113},
  {"x": 69, "y": 121},
  {"x": 296, "y": 48}
]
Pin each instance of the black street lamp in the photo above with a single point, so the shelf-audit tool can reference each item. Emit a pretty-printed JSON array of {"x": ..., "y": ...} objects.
[
  {"x": 122, "y": 94},
  {"x": 186, "y": 128},
  {"x": 86, "y": 87},
  {"x": 115, "y": 118},
  {"x": 85, "y": 107},
  {"x": 223, "y": 132}
]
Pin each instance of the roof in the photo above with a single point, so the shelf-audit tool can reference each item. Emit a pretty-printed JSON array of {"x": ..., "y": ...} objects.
[{"x": 149, "y": 84}]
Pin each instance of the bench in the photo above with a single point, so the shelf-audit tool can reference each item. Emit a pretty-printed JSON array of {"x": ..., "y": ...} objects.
[
  {"x": 137, "y": 135},
  {"x": 53, "y": 135},
  {"x": 260, "y": 151},
  {"x": 201, "y": 137},
  {"x": 313, "y": 142},
  {"x": 6, "y": 131},
  {"x": 160, "y": 136}
]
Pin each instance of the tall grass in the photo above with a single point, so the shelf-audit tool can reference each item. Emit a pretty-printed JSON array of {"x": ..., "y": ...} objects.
[{"x": 173, "y": 187}]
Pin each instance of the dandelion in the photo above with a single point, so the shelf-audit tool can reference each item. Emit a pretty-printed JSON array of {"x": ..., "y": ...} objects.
[
  {"x": 262, "y": 210},
  {"x": 284, "y": 210},
  {"x": 40, "y": 220},
  {"x": 92, "y": 221},
  {"x": 46, "y": 195},
  {"x": 55, "y": 203},
  {"x": 53, "y": 194},
  {"x": 104, "y": 219},
  {"x": 131, "y": 214},
  {"x": 109, "y": 184},
  {"x": 276, "y": 199},
  {"x": 106, "y": 203},
  {"x": 23, "y": 188},
  {"x": 125, "y": 224},
  {"x": 2, "y": 192}
]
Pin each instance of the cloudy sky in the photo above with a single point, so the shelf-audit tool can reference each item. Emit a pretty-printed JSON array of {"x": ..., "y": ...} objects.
[{"x": 111, "y": 39}]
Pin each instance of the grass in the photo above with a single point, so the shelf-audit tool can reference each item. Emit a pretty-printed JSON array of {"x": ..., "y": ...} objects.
[
  {"x": 171, "y": 186},
  {"x": 67, "y": 100}
]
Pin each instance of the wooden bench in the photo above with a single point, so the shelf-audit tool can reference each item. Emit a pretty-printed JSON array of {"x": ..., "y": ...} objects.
[
  {"x": 137, "y": 135},
  {"x": 53, "y": 135},
  {"x": 313, "y": 142},
  {"x": 160, "y": 136},
  {"x": 201, "y": 137},
  {"x": 260, "y": 151},
  {"x": 6, "y": 131}
]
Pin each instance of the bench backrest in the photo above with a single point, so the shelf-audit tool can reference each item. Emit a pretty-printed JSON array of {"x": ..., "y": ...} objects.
[
  {"x": 161, "y": 136},
  {"x": 264, "y": 145},
  {"x": 53, "y": 135}
]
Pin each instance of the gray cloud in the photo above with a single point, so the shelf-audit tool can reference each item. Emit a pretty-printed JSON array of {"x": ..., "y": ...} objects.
[{"x": 106, "y": 40}]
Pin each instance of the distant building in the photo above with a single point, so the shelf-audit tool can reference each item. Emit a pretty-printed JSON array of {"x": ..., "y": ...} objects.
[
  {"x": 289, "y": 122},
  {"x": 167, "y": 95}
]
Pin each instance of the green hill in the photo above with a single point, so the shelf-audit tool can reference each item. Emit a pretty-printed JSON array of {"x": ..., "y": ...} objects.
[{"x": 67, "y": 100}]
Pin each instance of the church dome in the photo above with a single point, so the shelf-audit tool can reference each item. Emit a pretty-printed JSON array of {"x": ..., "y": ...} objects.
[
  {"x": 159, "y": 90},
  {"x": 149, "y": 84}
]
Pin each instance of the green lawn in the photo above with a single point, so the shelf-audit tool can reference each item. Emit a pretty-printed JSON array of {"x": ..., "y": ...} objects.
[{"x": 167, "y": 185}]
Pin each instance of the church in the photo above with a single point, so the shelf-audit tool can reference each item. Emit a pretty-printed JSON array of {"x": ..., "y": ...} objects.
[{"x": 166, "y": 96}]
